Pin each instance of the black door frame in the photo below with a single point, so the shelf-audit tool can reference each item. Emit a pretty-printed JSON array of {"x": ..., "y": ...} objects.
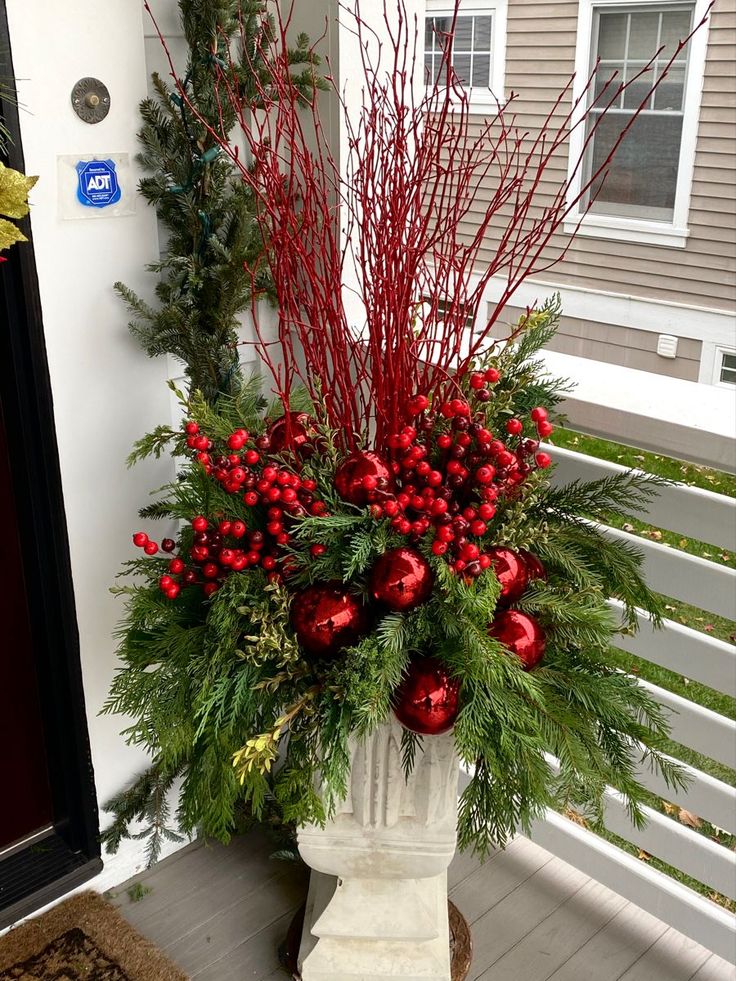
[{"x": 71, "y": 853}]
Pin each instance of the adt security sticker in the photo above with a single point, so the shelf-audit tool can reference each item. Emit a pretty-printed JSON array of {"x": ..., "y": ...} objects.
[{"x": 98, "y": 185}]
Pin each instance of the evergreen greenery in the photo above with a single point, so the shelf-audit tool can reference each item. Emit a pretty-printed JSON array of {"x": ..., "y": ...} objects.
[
  {"x": 222, "y": 696},
  {"x": 207, "y": 213}
]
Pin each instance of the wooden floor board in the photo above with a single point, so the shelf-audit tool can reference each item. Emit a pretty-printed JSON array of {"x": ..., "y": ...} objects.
[{"x": 221, "y": 913}]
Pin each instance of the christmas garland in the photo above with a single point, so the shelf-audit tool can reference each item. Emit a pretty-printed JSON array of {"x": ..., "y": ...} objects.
[{"x": 310, "y": 593}]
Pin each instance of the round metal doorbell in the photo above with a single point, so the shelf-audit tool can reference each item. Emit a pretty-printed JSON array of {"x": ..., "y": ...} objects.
[{"x": 91, "y": 100}]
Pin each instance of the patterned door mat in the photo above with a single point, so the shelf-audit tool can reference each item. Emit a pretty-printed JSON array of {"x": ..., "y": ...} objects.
[{"x": 82, "y": 939}]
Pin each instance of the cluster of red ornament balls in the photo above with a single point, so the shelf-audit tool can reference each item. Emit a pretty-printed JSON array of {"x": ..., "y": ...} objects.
[
  {"x": 454, "y": 499},
  {"x": 222, "y": 547}
]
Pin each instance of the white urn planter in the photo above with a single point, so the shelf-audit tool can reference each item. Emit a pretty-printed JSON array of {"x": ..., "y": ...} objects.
[{"x": 377, "y": 904}]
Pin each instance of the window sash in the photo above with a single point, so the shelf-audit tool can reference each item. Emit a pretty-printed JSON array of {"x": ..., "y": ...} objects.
[
  {"x": 628, "y": 66},
  {"x": 433, "y": 49}
]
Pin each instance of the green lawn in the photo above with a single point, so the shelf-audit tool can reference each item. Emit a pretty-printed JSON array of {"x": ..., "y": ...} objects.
[{"x": 720, "y": 483}]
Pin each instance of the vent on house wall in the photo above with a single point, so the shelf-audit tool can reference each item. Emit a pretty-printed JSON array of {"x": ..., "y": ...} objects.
[{"x": 667, "y": 346}]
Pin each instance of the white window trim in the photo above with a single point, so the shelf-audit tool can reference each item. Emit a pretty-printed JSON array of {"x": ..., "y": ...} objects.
[
  {"x": 718, "y": 365},
  {"x": 673, "y": 234},
  {"x": 481, "y": 99}
]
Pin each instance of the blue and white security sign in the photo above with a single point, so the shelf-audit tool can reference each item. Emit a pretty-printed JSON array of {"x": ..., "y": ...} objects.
[{"x": 97, "y": 183}]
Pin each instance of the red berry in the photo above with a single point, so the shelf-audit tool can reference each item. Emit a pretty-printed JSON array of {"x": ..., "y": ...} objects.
[
  {"x": 236, "y": 441},
  {"x": 470, "y": 551},
  {"x": 168, "y": 544},
  {"x": 478, "y": 528},
  {"x": 172, "y": 591},
  {"x": 251, "y": 457},
  {"x": 176, "y": 566},
  {"x": 505, "y": 458},
  {"x": 539, "y": 414},
  {"x": 434, "y": 478},
  {"x": 485, "y": 561},
  {"x": 485, "y": 475},
  {"x": 417, "y": 404},
  {"x": 477, "y": 380},
  {"x": 191, "y": 428},
  {"x": 317, "y": 549},
  {"x": 140, "y": 538},
  {"x": 226, "y": 556},
  {"x": 199, "y": 553},
  {"x": 492, "y": 375},
  {"x": 444, "y": 441},
  {"x": 209, "y": 588},
  {"x": 251, "y": 499},
  {"x": 150, "y": 548},
  {"x": 445, "y": 534},
  {"x": 514, "y": 427},
  {"x": 199, "y": 523},
  {"x": 486, "y": 511},
  {"x": 210, "y": 570},
  {"x": 165, "y": 581},
  {"x": 190, "y": 577},
  {"x": 545, "y": 428},
  {"x": 200, "y": 443},
  {"x": 268, "y": 562},
  {"x": 439, "y": 548},
  {"x": 224, "y": 527},
  {"x": 238, "y": 529},
  {"x": 460, "y": 407},
  {"x": 543, "y": 460}
]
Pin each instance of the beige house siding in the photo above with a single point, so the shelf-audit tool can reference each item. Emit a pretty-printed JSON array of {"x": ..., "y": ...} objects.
[
  {"x": 627, "y": 346},
  {"x": 540, "y": 58}
]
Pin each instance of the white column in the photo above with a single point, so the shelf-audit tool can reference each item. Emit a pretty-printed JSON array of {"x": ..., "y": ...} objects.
[{"x": 377, "y": 905}]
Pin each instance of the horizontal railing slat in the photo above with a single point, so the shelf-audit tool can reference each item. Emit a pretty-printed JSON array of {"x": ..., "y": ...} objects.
[
  {"x": 705, "y": 796},
  {"x": 688, "y": 652},
  {"x": 698, "y": 728},
  {"x": 701, "y": 514},
  {"x": 679, "y": 846},
  {"x": 686, "y": 577},
  {"x": 659, "y": 894}
]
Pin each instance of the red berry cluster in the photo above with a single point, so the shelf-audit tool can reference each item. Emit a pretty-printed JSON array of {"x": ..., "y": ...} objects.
[
  {"x": 447, "y": 472},
  {"x": 272, "y": 495}
]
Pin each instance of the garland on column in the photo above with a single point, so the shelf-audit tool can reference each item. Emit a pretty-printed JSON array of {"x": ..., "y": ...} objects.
[
  {"x": 384, "y": 536},
  {"x": 207, "y": 212}
]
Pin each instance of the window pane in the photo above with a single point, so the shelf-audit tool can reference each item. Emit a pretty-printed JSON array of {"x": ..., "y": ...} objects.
[
  {"x": 482, "y": 71},
  {"x": 728, "y": 375},
  {"x": 642, "y": 179},
  {"x": 643, "y": 35},
  {"x": 675, "y": 27},
  {"x": 638, "y": 89},
  {"x": 483, "y": 33},
  {"x": 429, "y": 70},
  {"x": 461, "y": 63},
  {"x": 729, "y": 361},
  {"x": 463, "y": 34},
  {"x": 608, "y": 78},
  {"x": 670, "y": 92},
  {"x": 428, "y": 33},
  {"x": 612, "y": 35}
]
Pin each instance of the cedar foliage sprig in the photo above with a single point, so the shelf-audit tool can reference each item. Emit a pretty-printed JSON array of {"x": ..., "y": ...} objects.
[{"x": 222, "y": 696}]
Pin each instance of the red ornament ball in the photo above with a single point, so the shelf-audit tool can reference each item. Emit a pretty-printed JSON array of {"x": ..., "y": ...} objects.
[
  {"x": 428, "y": 700},
  {"x": 293, "y": 431},
  {"x": 401, "y": 579},
  {"x": 327, "y": 618},
  {"x": 511, "y": 571},
  {"x": 534, "y": 567},
  {"x": 522, "y": 634},
  {"x": 355, "y": 477}
]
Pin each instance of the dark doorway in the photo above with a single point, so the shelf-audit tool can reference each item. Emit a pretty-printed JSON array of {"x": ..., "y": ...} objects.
[{"x": 48, "y": 816}]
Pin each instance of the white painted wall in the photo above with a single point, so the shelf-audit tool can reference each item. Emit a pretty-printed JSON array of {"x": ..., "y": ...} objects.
[{"x": 106, "y": 391}]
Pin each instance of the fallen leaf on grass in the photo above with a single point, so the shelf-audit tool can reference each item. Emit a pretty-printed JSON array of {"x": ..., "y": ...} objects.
[
  {"x": 708, "y": 627},
  {"x": 644, "y": 856},
  {"x": 655, "y": 534},
  {"x": 690, "y": 819},
  {"x": 669, "y": 808},
  {"x": 627, "y": 527},
  {"x": 576, "y": 818},
  {"x": 683, "y": 543}
]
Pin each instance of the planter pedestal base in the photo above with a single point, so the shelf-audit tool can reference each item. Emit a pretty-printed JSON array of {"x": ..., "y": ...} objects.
[{"x": 377, "y": 905}]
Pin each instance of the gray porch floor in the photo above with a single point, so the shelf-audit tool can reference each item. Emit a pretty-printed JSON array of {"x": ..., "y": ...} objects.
[{"x": 220, "y": 914}]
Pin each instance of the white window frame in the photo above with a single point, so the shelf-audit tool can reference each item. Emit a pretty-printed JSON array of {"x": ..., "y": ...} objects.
[
  {"x": 718, "y": 366},
  {"x": 673, "y": 234},
  {"x": 480, "y": 99}
]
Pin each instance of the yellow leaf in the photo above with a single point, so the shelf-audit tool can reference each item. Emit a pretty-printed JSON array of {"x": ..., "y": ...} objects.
[
  {"x": 644, "y": 856},
  {"x": 14, "y": 189},
  {"x": 690, "y": 819},
  {"x": 669, "y": 808},
  {"x": 9, "y": 234}
]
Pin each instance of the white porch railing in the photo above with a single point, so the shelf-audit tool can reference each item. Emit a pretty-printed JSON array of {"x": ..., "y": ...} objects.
[{"x": 711, "y": 518}]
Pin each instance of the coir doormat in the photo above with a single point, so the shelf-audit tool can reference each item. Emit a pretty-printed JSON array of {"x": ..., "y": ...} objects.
[{"x": 82, "y": 939}]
